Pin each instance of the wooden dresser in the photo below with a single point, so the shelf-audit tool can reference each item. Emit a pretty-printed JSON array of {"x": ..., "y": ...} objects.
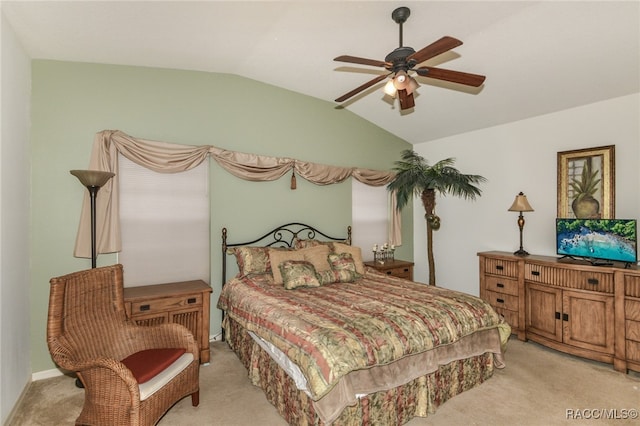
[
  {"x": 396, "y": 268},
  {"x": 185, "y": 303},
  {"x": 568, "y": 305}
]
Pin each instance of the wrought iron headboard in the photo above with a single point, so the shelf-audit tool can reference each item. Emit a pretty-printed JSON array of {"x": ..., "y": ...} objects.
[{"x": 282, "y": 236}]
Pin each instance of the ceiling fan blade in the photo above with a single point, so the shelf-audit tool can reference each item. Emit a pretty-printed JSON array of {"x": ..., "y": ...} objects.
[
  {"x": 465, "y": 78},
  {"x": 406, "y": 99},
  {"x": 445, "y": 44},
  {"x": 361, "y": 61},
  {"x": 361, "y": 88}
]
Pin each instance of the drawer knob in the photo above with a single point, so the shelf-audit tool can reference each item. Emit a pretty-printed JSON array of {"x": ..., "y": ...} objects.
[
  {"x": 592, "y": 281},
  {"x": 500, "y": 300},
  {"x": 500, "y": 285},
  {"x": 145, "y": 307},
  {"x": 535, "y": 273},
  {"x": 191, "y": 300},
  {"x": 499, "y": 267},
  {"x": 388, "y": 272}
]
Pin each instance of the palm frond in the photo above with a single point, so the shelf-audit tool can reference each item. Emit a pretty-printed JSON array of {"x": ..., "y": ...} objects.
[{"x": 414, "y": 175}]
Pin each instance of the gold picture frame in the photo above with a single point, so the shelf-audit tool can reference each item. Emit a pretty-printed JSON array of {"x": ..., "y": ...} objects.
[{"x": 585, "y": 175}]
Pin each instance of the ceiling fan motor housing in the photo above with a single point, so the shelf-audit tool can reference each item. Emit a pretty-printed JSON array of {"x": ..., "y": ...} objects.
[{"x": 398, "y": 59}]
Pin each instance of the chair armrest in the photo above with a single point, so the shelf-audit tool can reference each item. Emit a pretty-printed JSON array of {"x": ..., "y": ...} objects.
[{"x": 170, "y": 335}]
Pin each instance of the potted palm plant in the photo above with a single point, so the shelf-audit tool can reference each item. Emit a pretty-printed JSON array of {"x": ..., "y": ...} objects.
[
  {"x": 414, "y": 176},
  {"x": 584, "y": 205}
]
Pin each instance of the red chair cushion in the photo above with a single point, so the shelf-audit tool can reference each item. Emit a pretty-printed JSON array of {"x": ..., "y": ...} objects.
[{"x": 148, "y": 363}]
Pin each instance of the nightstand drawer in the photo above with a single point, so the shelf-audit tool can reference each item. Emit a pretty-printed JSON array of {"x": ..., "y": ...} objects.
[
  {"x": 165, "y": 304},
  {"x": 404, "y": 272},
  {"x": 501, "y": 300},
  {"x": 502, "y": 285},
  {"x": 394, "y": 268}
]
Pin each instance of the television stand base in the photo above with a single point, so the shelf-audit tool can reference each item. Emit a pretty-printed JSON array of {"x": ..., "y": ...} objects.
[{"x": 600, "y": 263}]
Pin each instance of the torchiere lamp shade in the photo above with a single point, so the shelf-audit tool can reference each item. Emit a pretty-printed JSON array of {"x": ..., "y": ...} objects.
[{"x": 92, "y": 178}]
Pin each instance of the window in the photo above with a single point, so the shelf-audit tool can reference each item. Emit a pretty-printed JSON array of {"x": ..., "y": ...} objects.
[
  {"x": 165, "y": 224},
  {"x": 370, "y": 216}
]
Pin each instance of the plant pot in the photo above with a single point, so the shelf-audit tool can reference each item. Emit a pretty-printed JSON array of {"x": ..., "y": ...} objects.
[{"x": 586, "y": 207}]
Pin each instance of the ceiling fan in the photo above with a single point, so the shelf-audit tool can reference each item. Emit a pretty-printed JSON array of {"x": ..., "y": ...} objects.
[{"x": 403, "y": 60}]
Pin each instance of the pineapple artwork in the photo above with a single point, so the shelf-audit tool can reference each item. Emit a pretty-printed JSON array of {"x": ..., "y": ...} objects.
[
  {"x": 584, "y": 188},
  {"x": 586, "y": 183}
]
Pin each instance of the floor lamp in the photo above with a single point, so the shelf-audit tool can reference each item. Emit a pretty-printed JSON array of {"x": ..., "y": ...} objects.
[
  {"x": 520, "y": 204},
  {"x": 93, "y": 180}
]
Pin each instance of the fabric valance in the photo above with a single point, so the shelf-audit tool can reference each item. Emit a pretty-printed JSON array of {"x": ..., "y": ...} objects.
[{"x": 165, "y": 157}]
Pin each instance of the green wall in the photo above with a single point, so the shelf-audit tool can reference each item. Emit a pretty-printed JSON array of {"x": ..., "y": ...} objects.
[{"x": 73, "y": 101}]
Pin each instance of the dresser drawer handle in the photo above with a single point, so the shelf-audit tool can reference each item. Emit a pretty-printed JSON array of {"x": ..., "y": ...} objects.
[
  {"x": 388, "y": 272},
  {"x": 500, "y": 300},
  {"x": 592, "y": 281},
  {"x": 499, "y": 267},
  {"x": 536, "y": 273},
  {"x": 191, "y": 300},
  {"x": 406, "y": 269},
  {"x": 145, "y": 307},
  {"x": 500, "y": 285}
]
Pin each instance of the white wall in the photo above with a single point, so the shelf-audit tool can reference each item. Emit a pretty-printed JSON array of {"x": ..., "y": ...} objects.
[
  {"x": 15, "y": 361},
  {"x": 521, "y": 156}
]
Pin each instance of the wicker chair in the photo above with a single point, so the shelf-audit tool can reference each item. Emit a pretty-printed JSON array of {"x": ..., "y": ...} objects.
[{"x": 88, "y": 333}]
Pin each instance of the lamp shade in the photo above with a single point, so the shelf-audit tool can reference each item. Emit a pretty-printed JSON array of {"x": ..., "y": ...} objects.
[
  {"x": 520, "y": 204},
  {"x": 92, "y": 178}
]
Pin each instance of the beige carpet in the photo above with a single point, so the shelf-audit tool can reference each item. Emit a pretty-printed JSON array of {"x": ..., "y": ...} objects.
[{"x": 537, "y": 387}]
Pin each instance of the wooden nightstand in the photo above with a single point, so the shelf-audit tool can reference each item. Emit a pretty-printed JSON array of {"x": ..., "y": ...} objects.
[
  {"x": 185, "y": 303},
  {"x": 396, "y": 268}
]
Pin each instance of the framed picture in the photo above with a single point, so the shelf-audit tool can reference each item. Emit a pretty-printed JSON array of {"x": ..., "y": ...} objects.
[{"x": 586, "y": 183}]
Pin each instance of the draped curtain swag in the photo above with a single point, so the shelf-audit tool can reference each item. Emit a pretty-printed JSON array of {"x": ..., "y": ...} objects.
[{"x": 165, "y": 157}]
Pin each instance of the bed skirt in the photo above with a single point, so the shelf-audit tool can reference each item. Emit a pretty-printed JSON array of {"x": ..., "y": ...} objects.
[{"x": 417, "y": 398}]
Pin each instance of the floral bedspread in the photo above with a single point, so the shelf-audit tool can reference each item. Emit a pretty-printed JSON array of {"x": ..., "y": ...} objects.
[{"x": 335, "y": 329}]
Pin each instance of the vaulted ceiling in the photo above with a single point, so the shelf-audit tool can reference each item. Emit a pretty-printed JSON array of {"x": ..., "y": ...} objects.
[{"x": 539, "y": 57}]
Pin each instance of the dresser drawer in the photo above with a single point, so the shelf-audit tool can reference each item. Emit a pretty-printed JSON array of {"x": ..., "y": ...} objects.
[
  {"x": 501, "y": 300},
  {"x": 632, "y": 310},
  {"x": 511, "y": 317},
  {"x": 633, "y": 350},
  {"x": 632, "y": 285},
  {"x": 601, "y": 282},
  {"x": 501, "y": 285},
  {"x": 506, "y": 268},
  {"x": 633, "y": 330},
  {"x": 165, "y": 304}
]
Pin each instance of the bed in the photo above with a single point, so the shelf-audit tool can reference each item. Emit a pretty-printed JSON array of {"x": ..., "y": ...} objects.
[{"x": 332, "y": 342}]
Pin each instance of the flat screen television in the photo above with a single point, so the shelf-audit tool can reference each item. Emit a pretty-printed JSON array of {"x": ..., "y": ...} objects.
[{"x": 600, "y": 241}]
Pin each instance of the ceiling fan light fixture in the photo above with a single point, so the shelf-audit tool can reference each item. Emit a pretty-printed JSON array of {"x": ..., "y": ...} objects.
[
  {"x": 390, "y": 89},
  {"x": 412, "y": 85},
  {"x": 401, "y": 80}
]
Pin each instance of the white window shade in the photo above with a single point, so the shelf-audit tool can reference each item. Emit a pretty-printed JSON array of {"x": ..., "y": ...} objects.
[
  {"x": 370, "y": 216},
  {"x": 165, "y": 224}
]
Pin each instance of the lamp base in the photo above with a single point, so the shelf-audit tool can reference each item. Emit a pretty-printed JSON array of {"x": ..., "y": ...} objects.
[{"x": 521, "y": 252}]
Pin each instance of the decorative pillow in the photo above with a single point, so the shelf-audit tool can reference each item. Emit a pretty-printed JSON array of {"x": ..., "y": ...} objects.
[
  {"x": 277, "y": 257},
  {"x": 342, "y": 262},
  {"x": 355, "y": 252},
  {"x": 302, "y": 244},
  {"x": 338, "y": 276},
  {"x": 252, "y": 260},
  {"x": 316, "y": 255},
  {"x": 298, "y": 273}
]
